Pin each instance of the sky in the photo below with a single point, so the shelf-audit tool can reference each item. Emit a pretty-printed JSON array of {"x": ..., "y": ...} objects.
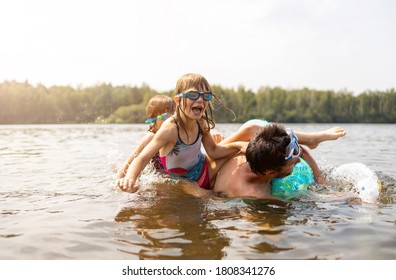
[{"x": 320, "y": 44}]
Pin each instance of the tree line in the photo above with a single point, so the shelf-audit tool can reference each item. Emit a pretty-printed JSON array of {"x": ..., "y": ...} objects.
[{"x": 23, "y": 103}]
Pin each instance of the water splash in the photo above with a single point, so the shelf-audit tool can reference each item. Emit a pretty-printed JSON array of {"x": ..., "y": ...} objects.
[{"x": 358, "y": 178}]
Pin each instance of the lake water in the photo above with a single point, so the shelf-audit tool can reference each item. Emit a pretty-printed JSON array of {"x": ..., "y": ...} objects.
[{"x": 57, "y": 201}]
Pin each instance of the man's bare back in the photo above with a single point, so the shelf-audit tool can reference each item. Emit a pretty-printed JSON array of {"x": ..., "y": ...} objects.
[{"x": 235, "y": 179}]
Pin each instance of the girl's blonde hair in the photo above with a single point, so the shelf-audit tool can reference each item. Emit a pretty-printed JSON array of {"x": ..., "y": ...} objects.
[
  {"x": 194, "y": 82},
  {"x": 158, "y": 105}
]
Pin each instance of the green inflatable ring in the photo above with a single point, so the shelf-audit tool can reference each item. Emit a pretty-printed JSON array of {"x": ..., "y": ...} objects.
[{"x": 296, "y": 183}]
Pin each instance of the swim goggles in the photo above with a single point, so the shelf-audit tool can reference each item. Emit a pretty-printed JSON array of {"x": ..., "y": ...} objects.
[
  {"x": 194, "y": 95},
  {"x": 162, "y": 117},
  {"x": 293, "y": 146}
]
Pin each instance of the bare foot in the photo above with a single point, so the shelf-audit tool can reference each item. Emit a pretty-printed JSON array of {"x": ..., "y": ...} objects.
[{"x": 331, "y": 134}]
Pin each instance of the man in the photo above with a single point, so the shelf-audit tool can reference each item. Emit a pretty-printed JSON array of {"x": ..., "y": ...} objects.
[{"x": 271, "y": 153}]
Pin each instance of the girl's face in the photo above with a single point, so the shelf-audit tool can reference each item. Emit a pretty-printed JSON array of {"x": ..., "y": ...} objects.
[{"x": 194, "y": 109}]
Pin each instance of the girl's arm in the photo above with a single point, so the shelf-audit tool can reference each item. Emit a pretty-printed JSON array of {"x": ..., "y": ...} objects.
[
  {"x": 143, "y": 143},
  {"x": 164, "y": 137}
]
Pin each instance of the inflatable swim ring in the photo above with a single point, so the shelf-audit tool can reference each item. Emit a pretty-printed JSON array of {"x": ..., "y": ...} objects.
[{"x": 294, "y": 184}]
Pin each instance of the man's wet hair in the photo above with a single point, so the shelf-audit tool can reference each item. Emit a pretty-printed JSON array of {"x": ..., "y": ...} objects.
[{"x": 267, "y": 149}]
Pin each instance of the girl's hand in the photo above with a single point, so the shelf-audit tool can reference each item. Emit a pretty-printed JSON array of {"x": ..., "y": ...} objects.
[
  {"x": 127, "y": 185},
  {"x": 217, "y": 136}
]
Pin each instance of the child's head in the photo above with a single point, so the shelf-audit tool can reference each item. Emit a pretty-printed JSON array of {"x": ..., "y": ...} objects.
[
  {"x": 156, "y": 107},
  {"x": 194, "y": 82}
]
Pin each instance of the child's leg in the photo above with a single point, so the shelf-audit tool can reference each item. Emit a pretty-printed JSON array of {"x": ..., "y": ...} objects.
[
  {"x": 313, "y": 139},
  {"x": 246, "y": 131},
  {"x": 310, "y": 139}
]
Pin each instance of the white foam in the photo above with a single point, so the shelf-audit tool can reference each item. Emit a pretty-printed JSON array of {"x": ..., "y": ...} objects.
[{"x": 364, "y": 181}]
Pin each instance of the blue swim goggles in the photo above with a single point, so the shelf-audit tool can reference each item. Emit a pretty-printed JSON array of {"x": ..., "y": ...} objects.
[
  {"x": 194, "y": 95},
  {"x": 163, "y": 117},
  {"x": 293, "y": 147}
]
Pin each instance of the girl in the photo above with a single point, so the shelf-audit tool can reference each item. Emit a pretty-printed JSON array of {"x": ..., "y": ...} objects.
[{"x": 179, "y": 139}]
